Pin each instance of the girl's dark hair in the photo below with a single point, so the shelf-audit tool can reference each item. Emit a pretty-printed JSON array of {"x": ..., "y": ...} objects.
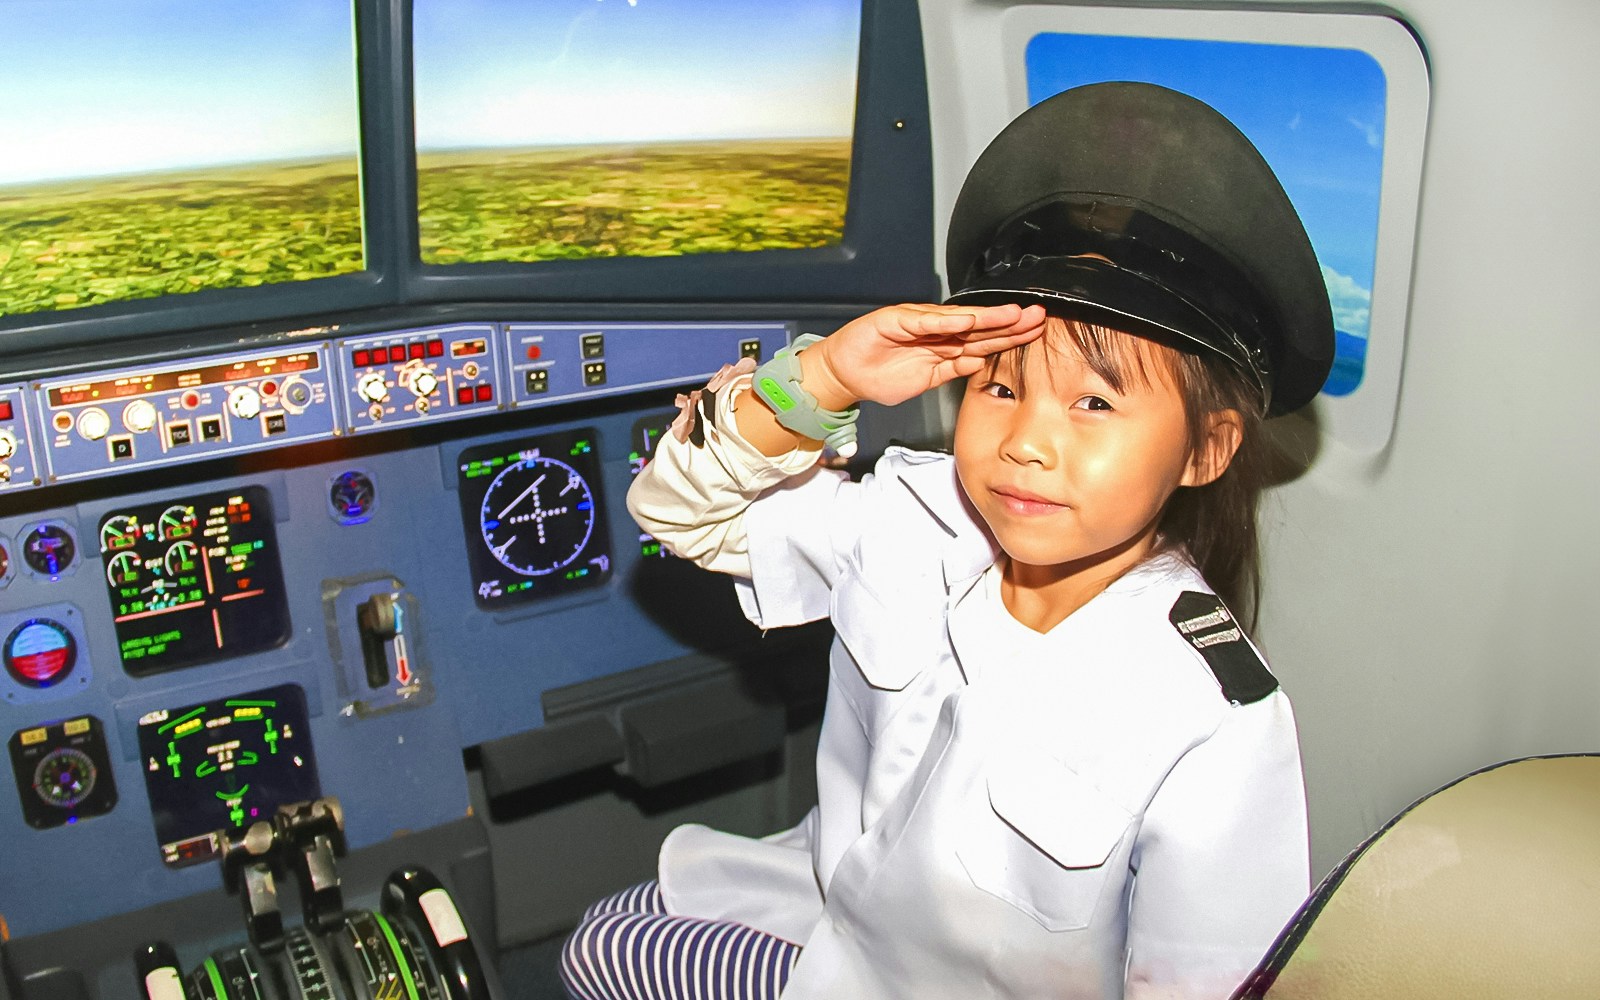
[{"x": 1216, "y": 523}]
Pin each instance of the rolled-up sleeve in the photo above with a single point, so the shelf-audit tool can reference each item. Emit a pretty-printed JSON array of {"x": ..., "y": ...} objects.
[
  {"x": 770, "y": 522},
  {"x": 1223, "y": 859}
]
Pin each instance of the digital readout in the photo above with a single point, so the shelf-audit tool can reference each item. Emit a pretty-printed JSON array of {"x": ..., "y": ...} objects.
[
  {"x": 142, "y": 383},
  {"x": 224, "y": 764},
  {"x": 194, "y": 580}
]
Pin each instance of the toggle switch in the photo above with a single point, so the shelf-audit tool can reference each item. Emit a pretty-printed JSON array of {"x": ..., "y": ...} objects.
[{"x": 379, "y": 622}]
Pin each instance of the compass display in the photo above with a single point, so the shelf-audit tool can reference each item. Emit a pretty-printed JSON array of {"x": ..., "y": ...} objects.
[
  {"x": 194, "y": 580},
  {"x": 533, "y": 517},
  {"x": 223, "y": 765}
]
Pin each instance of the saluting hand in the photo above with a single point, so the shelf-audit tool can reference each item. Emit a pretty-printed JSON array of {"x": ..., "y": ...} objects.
[{"x": 895, "y": 353}]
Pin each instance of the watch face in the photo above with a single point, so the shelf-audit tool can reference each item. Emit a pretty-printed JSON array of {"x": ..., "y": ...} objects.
[{"x": 533, "y": 517}]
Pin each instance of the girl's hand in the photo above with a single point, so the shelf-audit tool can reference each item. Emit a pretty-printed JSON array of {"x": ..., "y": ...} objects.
[{"x": 898, "y": 352}]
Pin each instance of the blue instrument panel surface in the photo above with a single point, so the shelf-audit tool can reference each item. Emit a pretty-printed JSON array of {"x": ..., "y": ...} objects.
[
  {"x": 401, "y": 661},
  {"x": 140, "y": 416}
]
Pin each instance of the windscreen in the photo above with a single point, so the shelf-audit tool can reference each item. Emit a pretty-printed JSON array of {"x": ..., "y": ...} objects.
[
  {"x": 616, "y": 128},
  {"x": 157, "y": 147}
]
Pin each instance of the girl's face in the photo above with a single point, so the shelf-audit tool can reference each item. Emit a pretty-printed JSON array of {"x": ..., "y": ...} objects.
[{"x": 1070, "y": 471}]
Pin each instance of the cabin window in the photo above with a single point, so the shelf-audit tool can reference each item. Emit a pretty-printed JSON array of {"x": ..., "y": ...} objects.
[{"x": 1337, "y": 105}]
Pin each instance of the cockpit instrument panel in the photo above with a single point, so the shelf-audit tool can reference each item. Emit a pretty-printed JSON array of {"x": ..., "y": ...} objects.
[
  {"x": 194, "y": 580},
  {"x": 223, "y": 765},
  {"x": 533, "y": 517}
]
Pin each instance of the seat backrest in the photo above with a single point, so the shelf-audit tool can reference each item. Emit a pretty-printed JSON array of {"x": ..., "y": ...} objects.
[{"x": 1488, "y": 887}]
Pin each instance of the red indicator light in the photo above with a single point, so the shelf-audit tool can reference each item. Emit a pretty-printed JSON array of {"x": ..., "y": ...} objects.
[
  {"x": 191, "y": 399},
  {"x": 535, "y": 352},
  {"x": 464, "y": 395},
  {"x": 5, "y": 409},
  {"x": 362, "y": 359},
  {"x": 397, "y": 352},
  {"x": 416, "y": 351},
  {"x": 269, "y": 388},
  {"x": 435, "y": 348},
  {"x": 485, "y": 393}
]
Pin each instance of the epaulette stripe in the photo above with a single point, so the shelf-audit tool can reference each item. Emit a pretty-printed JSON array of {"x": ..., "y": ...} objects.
[{"x": 1204, "y": 621}]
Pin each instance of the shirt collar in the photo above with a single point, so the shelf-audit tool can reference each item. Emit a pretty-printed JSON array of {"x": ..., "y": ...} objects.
[{"x": 971, "y": 549}]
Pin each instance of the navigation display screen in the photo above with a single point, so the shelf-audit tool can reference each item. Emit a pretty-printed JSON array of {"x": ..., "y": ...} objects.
[
  {"x": 223, "y": 765},
  {"x": 194, "y": 580},
  {"x": 532, "y": 514}
]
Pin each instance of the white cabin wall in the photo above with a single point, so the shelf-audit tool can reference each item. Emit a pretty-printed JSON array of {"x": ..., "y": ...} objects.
[{"x": 1430, "y": 608}]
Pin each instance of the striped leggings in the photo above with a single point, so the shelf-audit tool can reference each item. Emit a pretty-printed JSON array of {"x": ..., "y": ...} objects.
[{"x": 628, "y": 947}]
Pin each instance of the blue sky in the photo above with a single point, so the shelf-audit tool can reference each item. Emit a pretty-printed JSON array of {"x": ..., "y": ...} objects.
[
  {"x": 558, "y": 72},
  {"x": 1316, "y": 114},
  {"x": 97, "y": 87}
]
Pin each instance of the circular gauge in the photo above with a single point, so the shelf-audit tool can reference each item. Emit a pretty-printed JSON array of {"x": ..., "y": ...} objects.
[
  {"x": 49, "y": 549},
  {"x": 39, "y": 652},
  {"x": 122, "y": 568},
  {"x": 182, "y": 557},
  {"x": 537, "y": 515},
  {"x": 64, "y": 777},
  {"x": 5, "y": 564},
  {"x": 177, "y": 521},
  {"x": 352, "y": 496},
  {"x": 118, "y": 533}
]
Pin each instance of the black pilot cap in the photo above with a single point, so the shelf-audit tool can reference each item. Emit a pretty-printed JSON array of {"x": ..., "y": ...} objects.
[{"x": 1198, "y": 238}]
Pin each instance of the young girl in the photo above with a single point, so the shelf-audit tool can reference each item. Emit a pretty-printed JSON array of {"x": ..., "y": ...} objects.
[{"x": 1051, "y": 764}]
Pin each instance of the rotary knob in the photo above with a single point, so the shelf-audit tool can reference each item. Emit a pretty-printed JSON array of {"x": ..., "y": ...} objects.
[
  {"x": 8, "y": 445},
  {"x": 244, "y": 402},
  {"x": 422, "y": 383},
  {"x": 373, "y": 387},
  {"x": 93, "y": 423},
  {"x": 139, "y": 416}
]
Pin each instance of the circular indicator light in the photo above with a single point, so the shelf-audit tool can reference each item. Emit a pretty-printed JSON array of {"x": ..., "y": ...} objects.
[
  {"x": 269, "y": 388},
  {"x": 40, "y": 652}
]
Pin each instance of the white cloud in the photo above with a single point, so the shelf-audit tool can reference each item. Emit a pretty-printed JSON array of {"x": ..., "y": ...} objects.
[
  {"x": 1373, "y": 134},
  {"x": 1352, "y": 304}
]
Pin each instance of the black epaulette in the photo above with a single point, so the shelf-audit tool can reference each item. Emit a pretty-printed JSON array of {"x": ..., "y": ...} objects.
[{"x": 1209, "y": 627}]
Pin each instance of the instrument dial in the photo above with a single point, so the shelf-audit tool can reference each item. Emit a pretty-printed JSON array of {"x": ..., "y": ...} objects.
[
  {"x": 48, "y": 549},
  {"x": 122, "y": 569},
  {"x": 8, "y": 445},
  {"x": 39, "y": 652},
  {"x": 537, "y": 515},
  {"x": 181, "y": 558},
  {"x": 177, "y": 521},
  {"x": 118, "y": 533},
  {"x": 64, "y": 777}
]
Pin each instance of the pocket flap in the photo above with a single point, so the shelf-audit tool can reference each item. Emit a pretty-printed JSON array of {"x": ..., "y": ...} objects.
[
  {"x": 1056, "y": 809},
  {"x": 889, "y": 646}
]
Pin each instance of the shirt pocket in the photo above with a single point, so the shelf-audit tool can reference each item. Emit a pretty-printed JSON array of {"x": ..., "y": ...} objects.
[
  {"x": 1042, "y": 840},
  {"x": 890, "y": 642}
]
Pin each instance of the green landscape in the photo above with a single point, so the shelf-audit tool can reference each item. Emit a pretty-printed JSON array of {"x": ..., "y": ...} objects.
[
  {"x": 652, "y": 200},
  {"x": 71, "y": 244}
]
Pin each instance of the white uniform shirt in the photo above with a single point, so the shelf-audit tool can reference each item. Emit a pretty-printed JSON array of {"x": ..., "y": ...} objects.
[{"x": 1002, "y": 813}]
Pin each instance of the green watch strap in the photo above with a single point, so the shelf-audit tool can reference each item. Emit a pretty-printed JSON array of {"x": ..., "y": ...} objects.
[{"x": 777, "y": 384}]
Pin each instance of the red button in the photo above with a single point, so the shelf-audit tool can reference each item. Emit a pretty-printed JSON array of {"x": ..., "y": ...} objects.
[
  {"x": 416, "y": 351},
  {"x": 534, "y": 352},
  {"x": 435, "y": 348},
  {"x": 464, "y": 395},
  {"x": 363, "y": 359},
  {"x": 269, "y": 388},
  {"x": 5, "y": 409},
  {"x": 485, "y": 393},
  {"x": 397, "y": 352},
  {"x": 191, "y": 399}
]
